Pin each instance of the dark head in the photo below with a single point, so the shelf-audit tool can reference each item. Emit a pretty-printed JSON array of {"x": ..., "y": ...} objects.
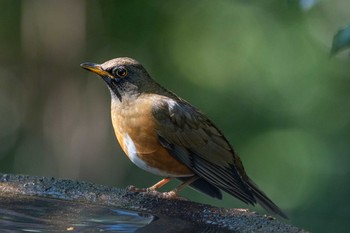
[{"x": 124, "y": 76}]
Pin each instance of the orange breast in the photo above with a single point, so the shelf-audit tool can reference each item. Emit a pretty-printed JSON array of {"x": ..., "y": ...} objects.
[{"x": 135, "y": 130}]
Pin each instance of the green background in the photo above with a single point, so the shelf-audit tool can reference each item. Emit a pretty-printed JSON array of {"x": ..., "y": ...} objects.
[{"x": 260, "y": 71}]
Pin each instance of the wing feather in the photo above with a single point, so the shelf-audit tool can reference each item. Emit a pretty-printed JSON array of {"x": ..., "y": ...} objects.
[
  {"x": 190, "y": 137},
  {"x": 194, "y": 140}
]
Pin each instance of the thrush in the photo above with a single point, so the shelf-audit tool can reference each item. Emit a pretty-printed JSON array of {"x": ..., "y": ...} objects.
[{"x": 167, "y": 136}]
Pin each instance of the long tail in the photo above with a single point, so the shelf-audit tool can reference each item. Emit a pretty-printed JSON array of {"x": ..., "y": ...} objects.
[{"x": 264, "y": 201}]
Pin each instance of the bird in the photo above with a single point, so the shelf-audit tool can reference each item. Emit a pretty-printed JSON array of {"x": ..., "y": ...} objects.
[{"x": 164, "y": 134}]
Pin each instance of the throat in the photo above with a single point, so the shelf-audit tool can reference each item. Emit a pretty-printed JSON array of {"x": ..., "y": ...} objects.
[{"x": 115, "y": 94}]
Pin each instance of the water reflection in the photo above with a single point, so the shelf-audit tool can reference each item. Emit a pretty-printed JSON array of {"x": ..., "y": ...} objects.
[
  {"x": 52, "y": 215},
  {"x": 37, "y": 214}
]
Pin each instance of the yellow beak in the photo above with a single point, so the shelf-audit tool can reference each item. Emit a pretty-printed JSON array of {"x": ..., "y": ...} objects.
[{"x": 96, "y": 68}]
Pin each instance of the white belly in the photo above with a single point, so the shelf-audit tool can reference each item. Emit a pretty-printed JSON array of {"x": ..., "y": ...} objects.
[{"x": 133, "y": 156}]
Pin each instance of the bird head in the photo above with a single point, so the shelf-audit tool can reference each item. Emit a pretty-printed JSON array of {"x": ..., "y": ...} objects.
[{"x": 125, "y": 77}]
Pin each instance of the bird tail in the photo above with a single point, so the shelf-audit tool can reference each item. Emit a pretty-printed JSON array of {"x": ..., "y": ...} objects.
[{"x": 264, "y": 201}]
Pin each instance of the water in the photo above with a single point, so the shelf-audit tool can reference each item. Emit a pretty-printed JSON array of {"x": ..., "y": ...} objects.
[
  {"x": 38, "y": 214},
  {"x": 28, "y": 214}
]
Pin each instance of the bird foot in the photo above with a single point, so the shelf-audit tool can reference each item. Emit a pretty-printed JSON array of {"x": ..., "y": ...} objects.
[
  {"x": 132, "y": 188},
  {"x": 172, "y": 195},
  {"x": 166, "y": 195}
]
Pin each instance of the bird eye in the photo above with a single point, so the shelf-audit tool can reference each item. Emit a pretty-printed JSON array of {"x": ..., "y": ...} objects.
[{"x": 120, "y": 71}]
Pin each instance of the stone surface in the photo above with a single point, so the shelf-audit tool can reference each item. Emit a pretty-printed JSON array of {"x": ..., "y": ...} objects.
[{"x": 184, "y": 214}]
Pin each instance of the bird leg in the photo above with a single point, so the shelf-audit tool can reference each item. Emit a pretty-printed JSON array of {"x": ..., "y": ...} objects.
[
  {"x": 168, "y": 195},
  {"x": 159, "y": 184},
  {"x": 152, "y": 188},
  {"x": 173, "y": 193}
]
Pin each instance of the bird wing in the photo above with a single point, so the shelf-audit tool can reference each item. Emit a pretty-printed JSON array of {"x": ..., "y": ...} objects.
[{"x": 193, "y": 139}]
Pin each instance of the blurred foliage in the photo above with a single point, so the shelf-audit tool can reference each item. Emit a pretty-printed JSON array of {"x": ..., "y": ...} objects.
[
  {"x": 259, "y": 69},
  {"x": 341, "y": 40}
]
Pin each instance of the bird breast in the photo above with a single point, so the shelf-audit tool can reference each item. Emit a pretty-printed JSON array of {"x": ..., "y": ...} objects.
[{"x": 136, "y": 131}]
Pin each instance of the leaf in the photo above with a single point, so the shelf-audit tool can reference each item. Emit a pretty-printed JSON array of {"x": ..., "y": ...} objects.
[
  {"x": 341, "y": 40},
  {"x": 306, "y": 5}
]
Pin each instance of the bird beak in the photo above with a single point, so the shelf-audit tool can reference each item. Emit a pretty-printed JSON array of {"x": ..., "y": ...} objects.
[{"x": 96, "y": 68}]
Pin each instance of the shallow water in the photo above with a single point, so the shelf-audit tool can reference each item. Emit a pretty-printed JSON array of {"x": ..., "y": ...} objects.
[
  {"x": 52, "y": 215},
  {"x": 38, "y": 214}
]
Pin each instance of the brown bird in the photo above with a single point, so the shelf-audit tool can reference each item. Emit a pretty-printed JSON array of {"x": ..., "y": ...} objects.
[{"x": 165, "y": 135}]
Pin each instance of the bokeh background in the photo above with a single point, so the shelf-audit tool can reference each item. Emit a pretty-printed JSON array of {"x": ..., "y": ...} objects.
[{"x": 260, "y": 69}]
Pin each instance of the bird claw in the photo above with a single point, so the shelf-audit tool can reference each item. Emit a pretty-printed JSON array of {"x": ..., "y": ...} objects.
[
  {"x": 151, "y": 190},
  {"x": 132, "y": 188},
  {"x": 172, "y": 195},
  {"x": 166, "y": 195}
]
